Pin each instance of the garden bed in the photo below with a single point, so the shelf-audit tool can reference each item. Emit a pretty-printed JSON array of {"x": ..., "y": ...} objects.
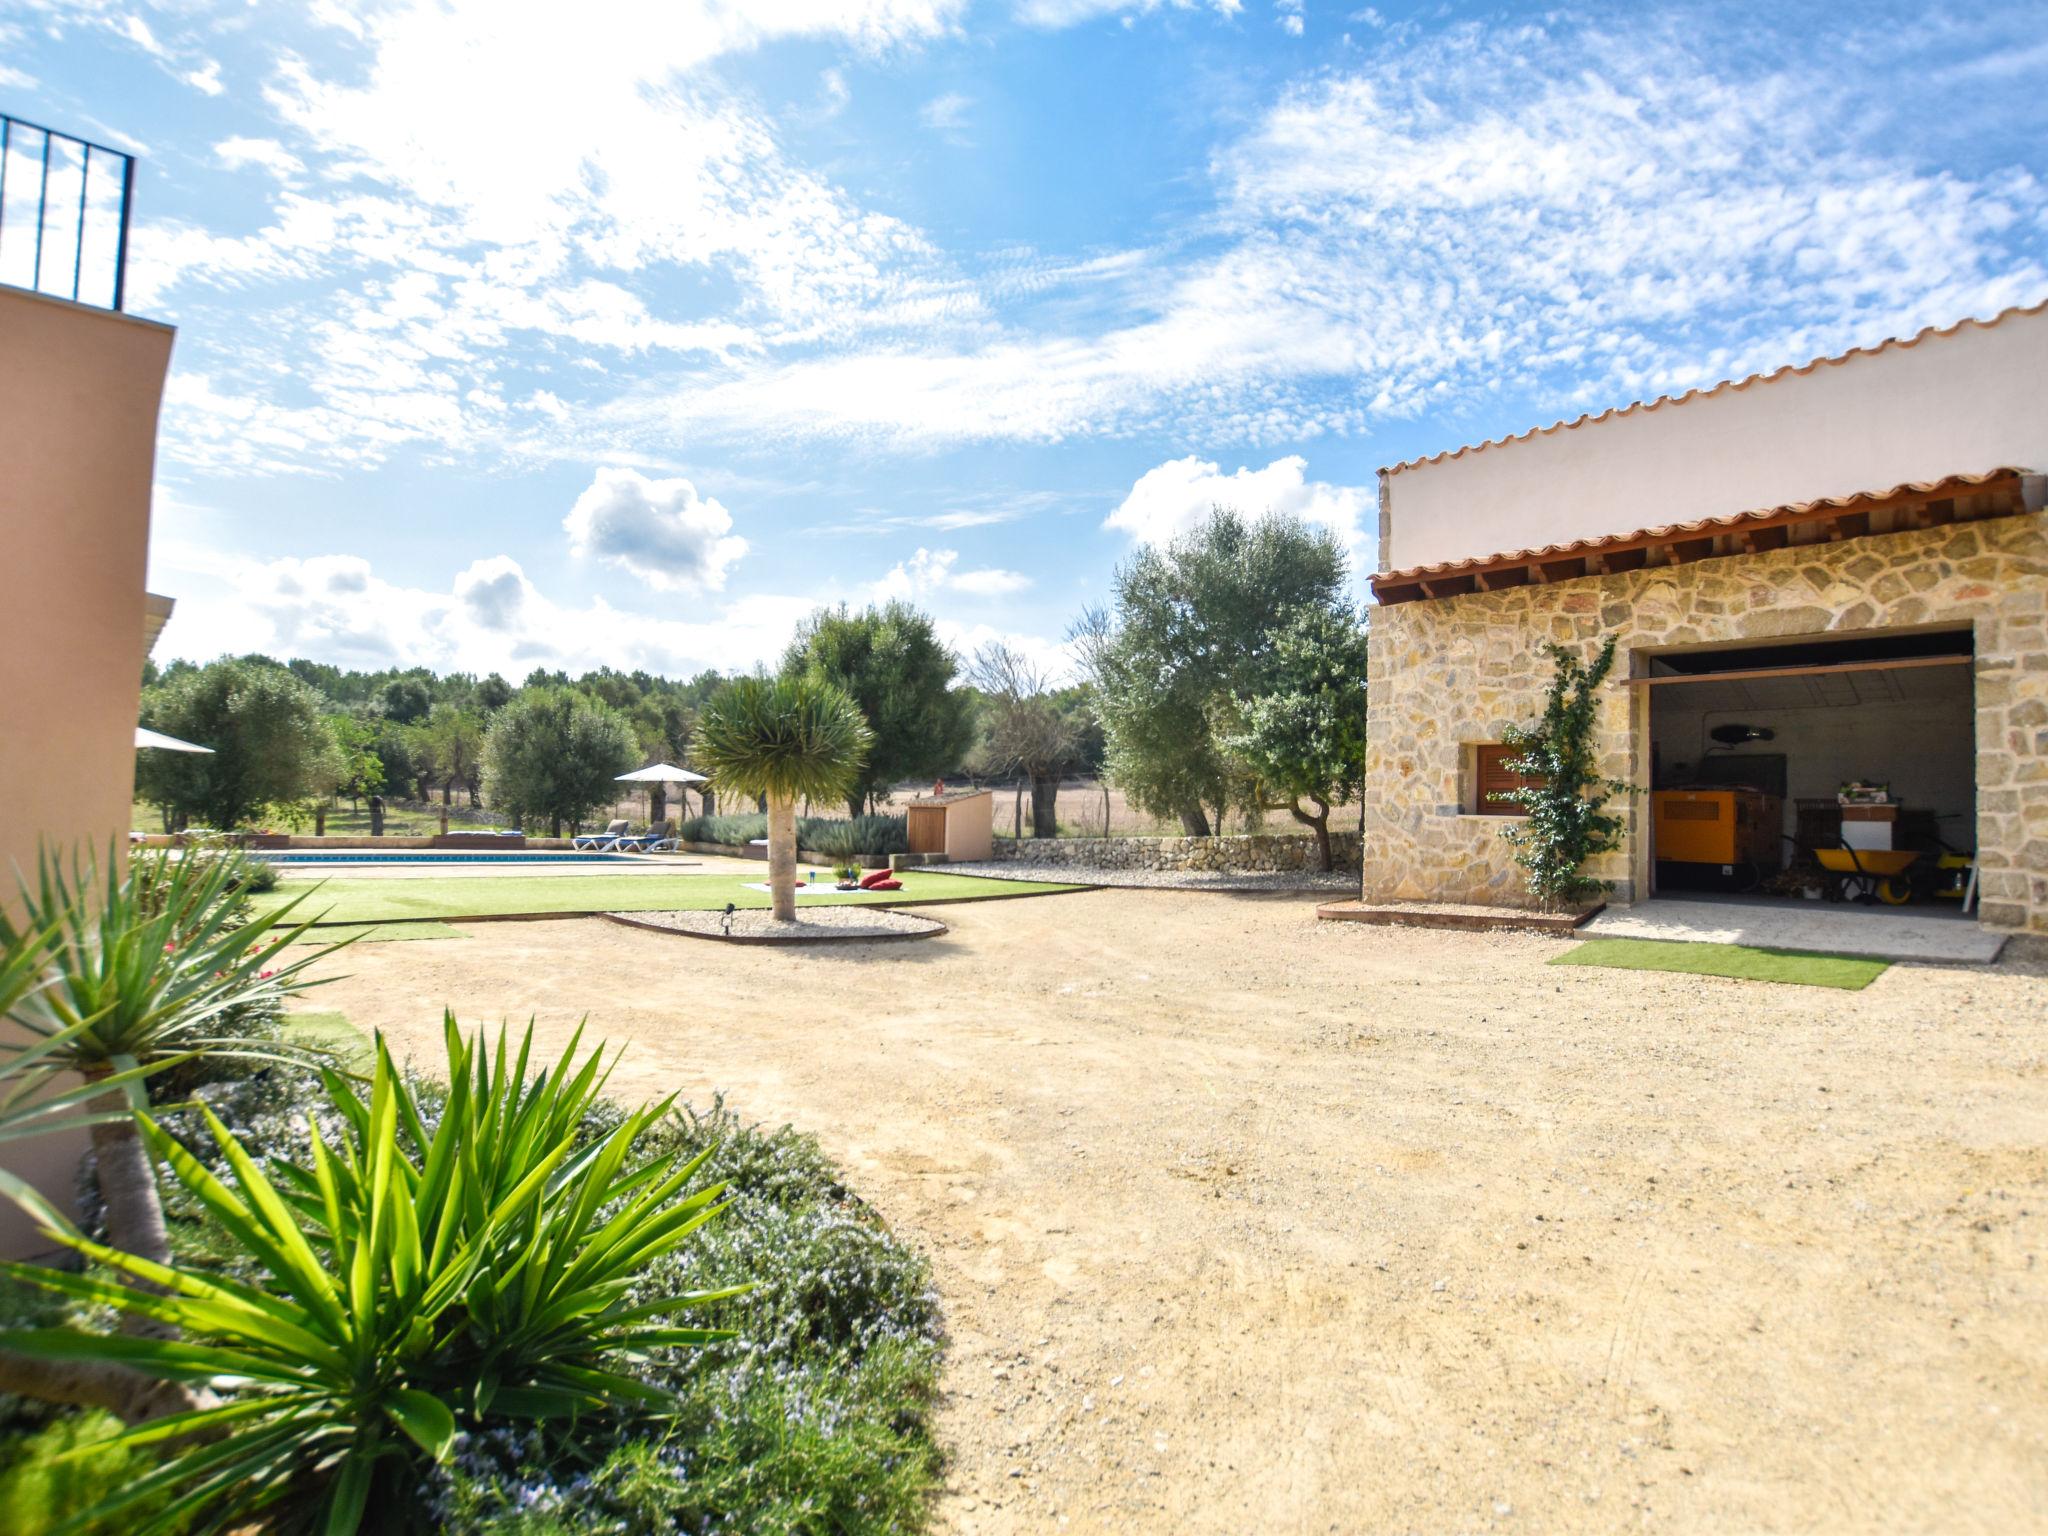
[{"x": 815, "y": 1417}]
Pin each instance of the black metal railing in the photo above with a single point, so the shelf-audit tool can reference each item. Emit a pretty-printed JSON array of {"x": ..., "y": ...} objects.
[{"x": 64, "y": 204}]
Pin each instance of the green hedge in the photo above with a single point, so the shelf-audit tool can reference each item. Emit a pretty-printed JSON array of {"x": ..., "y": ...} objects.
[{"x": 834, "y": 836}]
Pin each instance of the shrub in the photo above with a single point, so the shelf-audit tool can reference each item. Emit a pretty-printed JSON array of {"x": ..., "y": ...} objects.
[
  {"x": 494, "y": 1265},
  {"x": 734, "y": 831},
  {"x": 816, "y": 1418},
  {"x": 1567, "y": 799},
  {"x": 836, "y": 837},
  {"x": 863, "y": 835}
]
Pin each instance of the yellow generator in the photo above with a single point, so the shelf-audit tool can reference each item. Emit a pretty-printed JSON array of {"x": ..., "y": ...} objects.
[{"x": 1725, "y": 827}]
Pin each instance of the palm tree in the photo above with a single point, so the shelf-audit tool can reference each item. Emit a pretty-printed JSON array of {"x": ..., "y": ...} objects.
[{"x": 789, "y": 739}]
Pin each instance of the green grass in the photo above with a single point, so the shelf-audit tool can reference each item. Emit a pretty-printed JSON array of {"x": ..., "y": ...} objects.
[
  {"x": 330, "y": 1032},
  {"x": 368, "y": 901},
  {"x": 1796, "y": 967},
  {"x": 386, "y": 933}
]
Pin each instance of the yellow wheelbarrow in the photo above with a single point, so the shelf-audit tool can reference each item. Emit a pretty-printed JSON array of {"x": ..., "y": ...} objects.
[{"x": 1868, "y": 874}]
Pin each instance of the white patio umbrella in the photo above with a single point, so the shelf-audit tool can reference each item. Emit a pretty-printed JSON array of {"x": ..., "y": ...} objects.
[
  {"x": 148, "y": 738},
  {"x": 663, "y": 773}
]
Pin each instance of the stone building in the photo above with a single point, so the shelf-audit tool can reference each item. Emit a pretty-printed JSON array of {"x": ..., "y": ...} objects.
[{"x": 1825, "y": 574}]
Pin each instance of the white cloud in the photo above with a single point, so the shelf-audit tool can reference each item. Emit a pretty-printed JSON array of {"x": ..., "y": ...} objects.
[
  {"x": 1531, "y": 210},
  {"x": 205, "y": 79},
  {"x": 660, "y": 530},
  {"x": 491, "y": 618},
  {"x": 235, "y": 153},
  {"x": 1171, "y": 498},
  {"x": 1067, "y": 13},
  {"x": 930, "y": 571},
  {"x": 946, "y": 115}
]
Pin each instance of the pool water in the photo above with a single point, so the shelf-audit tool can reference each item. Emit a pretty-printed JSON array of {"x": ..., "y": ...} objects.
[{"x": 439, "y": 856}]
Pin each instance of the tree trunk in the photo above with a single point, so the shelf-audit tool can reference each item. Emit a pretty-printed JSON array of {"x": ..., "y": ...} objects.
[
  {"x": 710, "y": 802},
  {"x": 1045, "y": 789},
  {"x": 555, "y": 826},
  {"x": 135, "y": 1216},
  {"x": 129, "y": 1395},
  {"x": 782, "y": 859},
  {"x": 447, "y": 789},
  {"x": 657, "y": 803},
  {"x": 135, "y": 1211},
  {"x": 1194, "y": 821},
  {"x": 1320, "y": 825},
  {"x": 857, "y": 804}
]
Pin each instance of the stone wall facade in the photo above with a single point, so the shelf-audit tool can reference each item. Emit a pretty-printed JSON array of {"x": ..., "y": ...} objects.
[
  {"x": 1224, "y": 855},
  {"x": 1450, "y": 672}
]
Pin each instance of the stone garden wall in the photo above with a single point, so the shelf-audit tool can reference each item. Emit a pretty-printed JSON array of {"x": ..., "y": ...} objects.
[
  {"x": 1450, "y": 672},
  {"x": 1228, "y": 855}
]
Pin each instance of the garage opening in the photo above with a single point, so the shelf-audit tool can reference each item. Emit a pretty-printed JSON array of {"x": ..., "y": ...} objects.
[{"x": 1838, "y": 770}]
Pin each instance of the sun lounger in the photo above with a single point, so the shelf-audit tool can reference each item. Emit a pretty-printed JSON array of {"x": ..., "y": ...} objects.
[
  {"x": 643, "y": 842},
  {"x": 609, "y": 835}
]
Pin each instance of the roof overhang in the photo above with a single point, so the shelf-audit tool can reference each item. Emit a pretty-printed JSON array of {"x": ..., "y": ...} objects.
[
  {"x": 1922, "y": 504},
  {"x": 156, "y": 613}
]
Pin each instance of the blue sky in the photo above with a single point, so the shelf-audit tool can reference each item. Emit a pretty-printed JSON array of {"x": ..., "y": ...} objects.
[{"x": 517, "y": 334}]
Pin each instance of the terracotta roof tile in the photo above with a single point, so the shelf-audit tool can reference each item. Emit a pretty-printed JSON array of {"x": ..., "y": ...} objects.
[
  {"x": 1726, "y": 384},
  {"x": 1702, "y": 525}
]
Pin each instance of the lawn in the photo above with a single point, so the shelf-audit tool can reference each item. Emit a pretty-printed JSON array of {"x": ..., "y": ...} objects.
[
  {"x": 342, "y": 900},
  {"x": 1798, "y": 967}
]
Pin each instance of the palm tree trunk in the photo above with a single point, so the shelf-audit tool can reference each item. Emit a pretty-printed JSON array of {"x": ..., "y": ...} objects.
[
  {"x": 135, "y": 1216},
  {"x": 782, "y": 858},
  {"x": 135, "y": 1211},
  {"x": 129, "y": 1395}
]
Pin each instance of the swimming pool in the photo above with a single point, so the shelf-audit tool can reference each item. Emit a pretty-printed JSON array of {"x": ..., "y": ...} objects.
[{"x": 433, "y": 856}]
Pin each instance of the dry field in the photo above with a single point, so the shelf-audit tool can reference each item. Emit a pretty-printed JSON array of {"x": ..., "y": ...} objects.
[
  {"x": 1246, "y": 1223},
  {"x": 1084, "y": 811}
]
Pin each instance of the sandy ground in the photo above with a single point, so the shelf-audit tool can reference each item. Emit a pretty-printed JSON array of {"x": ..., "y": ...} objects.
[{"x": 1249, "y": 1223}]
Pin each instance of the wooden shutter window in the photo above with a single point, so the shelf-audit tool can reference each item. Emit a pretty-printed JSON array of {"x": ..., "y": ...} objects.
[{"x": 1493, "y": 776}]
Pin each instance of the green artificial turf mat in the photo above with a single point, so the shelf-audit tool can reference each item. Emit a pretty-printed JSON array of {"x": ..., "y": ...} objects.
[
  {"x": 1798, "y": 967},
  {"x": 339, "y": 899},
  {"x": 330, "y": 1032}
]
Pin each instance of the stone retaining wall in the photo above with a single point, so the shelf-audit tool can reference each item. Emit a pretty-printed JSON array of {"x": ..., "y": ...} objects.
[{"x": 1228, "y": 855}]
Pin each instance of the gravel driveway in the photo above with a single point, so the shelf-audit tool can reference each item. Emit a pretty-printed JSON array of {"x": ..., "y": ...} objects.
[{"x": 1246, "y": 1223}]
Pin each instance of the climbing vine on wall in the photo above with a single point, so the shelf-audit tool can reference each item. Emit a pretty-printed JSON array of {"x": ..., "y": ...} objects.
[{"x": 1567, "y": 800}]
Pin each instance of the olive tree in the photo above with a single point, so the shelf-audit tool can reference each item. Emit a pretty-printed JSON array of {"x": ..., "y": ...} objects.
[
  {"x": 1192, "y": 628},
  {"x": 272, "y": 750},
  {"x": 555, "y": 753},
  {"x": 1300, "y": 730}
]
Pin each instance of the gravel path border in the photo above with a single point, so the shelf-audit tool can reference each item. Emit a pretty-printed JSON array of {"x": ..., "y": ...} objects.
[
  {"x": 1161, "y": 879},
  {"x": 814, "y": 925}
]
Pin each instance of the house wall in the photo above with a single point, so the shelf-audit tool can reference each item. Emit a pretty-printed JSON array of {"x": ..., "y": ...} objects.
[
  {"x": 79, "y": 389},
  {"x": 1449, "y": 672},
  {"x": 1962, "y": 403}
]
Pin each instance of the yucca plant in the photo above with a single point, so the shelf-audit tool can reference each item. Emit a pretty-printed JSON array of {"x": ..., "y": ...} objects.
[
  {"x": 482, "y": 1267},
  {"x": 790, "y": 739},
  {"x": 135, "y": 969}
]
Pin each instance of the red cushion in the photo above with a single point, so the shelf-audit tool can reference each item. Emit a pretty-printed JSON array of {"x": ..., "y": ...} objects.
[
  {"x": 875, "y": 877},
  {"x": 884, "y": 885}
]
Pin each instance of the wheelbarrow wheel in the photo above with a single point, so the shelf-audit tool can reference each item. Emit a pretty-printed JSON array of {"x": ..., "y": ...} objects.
[{"x": 1894, "y": 893}]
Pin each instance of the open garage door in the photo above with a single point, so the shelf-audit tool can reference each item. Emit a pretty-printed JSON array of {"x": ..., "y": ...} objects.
[{"x": 1817, "y": 769}]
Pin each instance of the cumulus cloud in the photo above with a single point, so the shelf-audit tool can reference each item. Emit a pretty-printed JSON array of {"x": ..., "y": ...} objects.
[
  {"x": 660, "y": 530},
  {"x": 1171, "y": 498},
  {"x": 491, "y": 617},
  {"x": 930, "y": 571}
]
